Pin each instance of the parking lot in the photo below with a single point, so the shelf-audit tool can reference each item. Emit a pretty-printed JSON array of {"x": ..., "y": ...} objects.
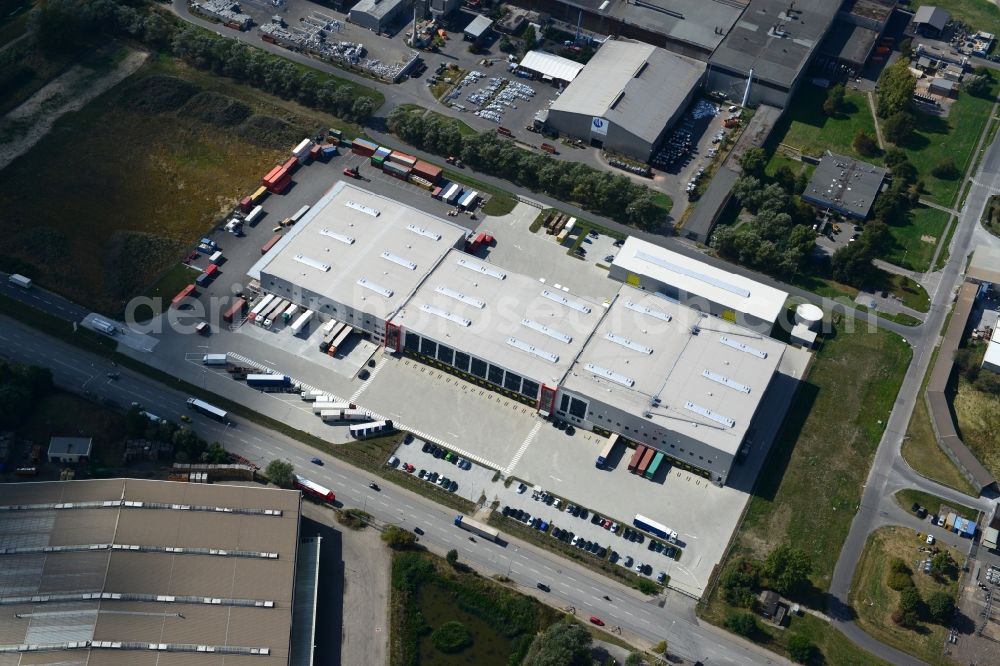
[{"x": 449, "y": 472}]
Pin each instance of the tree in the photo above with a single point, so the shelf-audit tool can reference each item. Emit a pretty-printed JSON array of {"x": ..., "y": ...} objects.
[
  {"x": 865, "y": 144},
  {"x": 909, "y": 609},
  {"x": 894, "y": 156},
  {"x": 635, "y": 658},
  {"x": 906, "y": 47},
  {"x": 452, "y": 557},
  {"x": 397, "y": 538},
  {"x": 899, "y": 127},
  {"x": 739, "y": 580},
  {"x": 896, "y": 86},
  {"x": 741, "y": 623},
  {"x": 788, "y": 570},
  {"x": 215, "y": 454},
  {"x": 980, "y": 86},
  {"x": 940, "y": 607},
  {"x": 530, "y": 41},
  {"x": 943, "y": 566},
  {"x": 753, "y": 161},
  {"x": 749, "y": 192},
  {"x": 565, "y": 643},
  {"x": 280, "y": 473},
  {"x": 945, "y": 169},
  {"x": 800, "y": 648},
  {"x": 785, "y": 177},
  {"x": 834, "y": 100}
]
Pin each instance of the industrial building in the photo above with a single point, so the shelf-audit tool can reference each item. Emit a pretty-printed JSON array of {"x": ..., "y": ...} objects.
[
  {"x": 844, "y": 185},
  {"x": 356, "y": 257},
  {"x": 442, "y": 8},
  {"x": 667, "y": 376},
  {"x": 141, "y": 572},
  {"x": 70, "y": 450},
  {"x": 378, "y": 15},
  {"x": 698, "y": 285},
  {"x": 773, "y": 44},
  {"x": 478, "y": 30},
  {"x": 857, "y": 28},
  {"x": 930, "y": 21},
  {"x": 690, "y": 27},
  {"x": 549, "y": 67},
  {"x": 627, "y": 97},
  {"x": 398, "y": 276}
]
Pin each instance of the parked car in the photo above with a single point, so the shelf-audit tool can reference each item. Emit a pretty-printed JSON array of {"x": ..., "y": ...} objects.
[{"x": 596, "y": 620}]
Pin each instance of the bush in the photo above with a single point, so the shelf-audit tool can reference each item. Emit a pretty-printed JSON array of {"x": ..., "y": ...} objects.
[
  {"x": 159, "y": 94},
  {"x": 647, "y": 586},
  {"x": 660, "y": 648},
  {"x": 398, "y": 539},
  {"x": 941, "y": 607},
  {"x": 909, "y": 609},
  {"x": 216, "y": 109},
  {"x": 451, "y": 637},
  {"x": 899, "y": 581},
  {"x": 743, "y": 624},
  {"x": 800, "y": 648},
  {"x": 897, "y": 565},
  {"x": 945, "y": 169},
  {"x": 899, "y": 127},
  {"x": 452, "y": 557},
  {"x": 865, "y": 144},
  {"x": 280, "y": 473}
]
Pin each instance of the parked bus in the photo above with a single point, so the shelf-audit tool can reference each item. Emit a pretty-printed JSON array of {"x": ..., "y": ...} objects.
[
  {"x": 476, "y": 527},
  {"x": 655, "y": 465},
  {"x": 602, "y": 457},
  {"x": 371, "y": 429},
  {"x": 208, "y": 410},
  {"x": 313, "y": 489},
  {"x": 653, "y": 527}
]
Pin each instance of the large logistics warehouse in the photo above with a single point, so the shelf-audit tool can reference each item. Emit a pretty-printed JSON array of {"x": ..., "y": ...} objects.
[
  {"x": 640, "y": 364},
  {"x": 143, "y": 573},
  {"x": 627, "y": 97},
  {"x": 701, "y": 286}
]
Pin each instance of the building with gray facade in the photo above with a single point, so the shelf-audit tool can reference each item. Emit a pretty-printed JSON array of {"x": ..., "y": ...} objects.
[
  {"x": 627, "y": 97},
  {"x": 378, "y": 15},
  {"x": 774, "y": 41}
]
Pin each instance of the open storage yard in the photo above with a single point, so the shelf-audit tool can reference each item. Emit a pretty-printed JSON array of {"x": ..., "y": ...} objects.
[{"x": 164, "y": 154}]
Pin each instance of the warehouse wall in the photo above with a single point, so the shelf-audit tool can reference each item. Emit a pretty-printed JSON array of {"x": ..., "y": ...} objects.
[{"x": 366, "y": 323}]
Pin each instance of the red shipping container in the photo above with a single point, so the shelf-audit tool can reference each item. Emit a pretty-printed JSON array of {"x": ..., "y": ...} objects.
[
  {"x": 211, "y": 270},
  {"x": 646, "y": 459},
  {"x": 363, "y": 147},
  {"x": 280, "y": 186},
  {"x": 182, "y": 294},
  {"x": 291, "y": 164},
  {"x": 269, "y": 244},
  {"x": 237, "y": 308},
  {"x": 315, "y": 152},
  {"x": 271, "y": 176},
  {"x": 427, "y": 171},
  {"x": 636, "y": 457},
  {"x": 246, "y": 203}
]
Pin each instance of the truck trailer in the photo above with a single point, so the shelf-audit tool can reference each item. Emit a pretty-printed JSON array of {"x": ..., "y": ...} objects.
[
  {"x": 19, "y": 280},
  {"x": 215, "y": 359},
  {"x": 476, "y": 527},
  {"x": 269, "y": 381},
  {"x": 301, "y": 322}
]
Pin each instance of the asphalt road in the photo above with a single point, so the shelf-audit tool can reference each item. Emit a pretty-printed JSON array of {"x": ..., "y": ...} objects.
[{"x": 640, "y": 618}]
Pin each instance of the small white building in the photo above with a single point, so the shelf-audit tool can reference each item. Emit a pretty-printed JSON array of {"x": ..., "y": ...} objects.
[
  {"x": 69, "y": 449},
  {"x": 991, "y": 361}
]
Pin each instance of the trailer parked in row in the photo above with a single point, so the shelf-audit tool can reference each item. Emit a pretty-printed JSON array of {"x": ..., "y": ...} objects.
[
  {"x": 301, "y": 322},
  {"x": 269, "y": 381},
  {"x": 261, "y": 304}
]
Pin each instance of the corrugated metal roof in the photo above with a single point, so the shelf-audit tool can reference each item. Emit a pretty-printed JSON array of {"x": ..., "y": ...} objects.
[
  {"x": 549, "y": 64},
  {"x": 932, "y": 16},
  {"x": 478, "y": 26},
  {"x": 985, "y": 264}
]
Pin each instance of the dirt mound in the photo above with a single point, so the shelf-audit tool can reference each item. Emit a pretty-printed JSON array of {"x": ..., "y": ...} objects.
[
  {"x": 159, "y": 94},
  {"x": 216, "y": 109}
]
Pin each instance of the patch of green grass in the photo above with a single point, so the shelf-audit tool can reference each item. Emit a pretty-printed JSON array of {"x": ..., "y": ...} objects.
[
  {"x": 908, "y": 496},
  {"x": 979, "y": 14},
  {"x": 827, "y": 288},
  {"x": 955, "y": 137},
  {"x": 463, "y": 128},
  {"x": 166, "y": 288},
  {"x": 977, "y": 415},
  {"x": 991, "y": 215},
  {"x": 663, "y": 202},
  {"x": 922, "y": 453},
  {"x": 901, "y": 318},
  {"x": 811, "y": 483},
  {"x": 945, "y": 253},
  {"x": 910, "y": 250},
  {"x": 808, "y": 129},
  {"x": 874, "y": 601},
  {"x": 912, "y": 294}
]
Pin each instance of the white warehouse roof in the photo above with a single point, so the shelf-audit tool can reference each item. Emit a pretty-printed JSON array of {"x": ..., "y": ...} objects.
[
  {"x": 696, "y": 278},
  {"x": 549, "y": 64},
  {"x": 360, "y": 249},
  {"x": 991, "y": 361}
]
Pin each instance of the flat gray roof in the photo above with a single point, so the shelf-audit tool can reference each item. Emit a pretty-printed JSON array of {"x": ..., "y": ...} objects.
[
  {"x": 353, "y": 235},
  {"x": 845, "y": 184},
  {"x": 140, "y": 550},
  {"x": 377, "y": 8},
  {"x": 478, "y": 307},
  {"x": 849, "y": 42},
  {"x": 933, "y": 16},
  {"x": 701, "y": 23},
  {"x": 985, "y": 264},
  {"x": 634, "y": 85},
  {"x": 647, "y": 341},
  {"x": 478, "y": 26},
  {"x": 776, "y": 45},
  {"x": 79, "y": 446}
]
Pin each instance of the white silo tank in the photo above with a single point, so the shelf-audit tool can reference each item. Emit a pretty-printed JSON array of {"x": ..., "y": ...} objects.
[{"x": 808, "y": 315}]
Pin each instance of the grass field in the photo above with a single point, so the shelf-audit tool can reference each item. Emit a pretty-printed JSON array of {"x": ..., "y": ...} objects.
[
  {"x": 953, "y": 137},
  {"x": 874, "y": 601},
  {"x": 807, "y": 128},
  {"x": 978, "y": 416},
  {"x": 916, "y": 241},
  {"x": 146, "y": 169},
  {"x": 810, "y": 486},
  {"x": 164, "y": 289},
  {"x": 978, "y": 14},
  {"x": 906, "y": 497}
]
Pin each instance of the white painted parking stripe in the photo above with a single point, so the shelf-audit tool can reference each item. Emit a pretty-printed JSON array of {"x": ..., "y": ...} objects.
[
  {"x": 524, "y": 447},
  {"x": 366, "y": 384}
]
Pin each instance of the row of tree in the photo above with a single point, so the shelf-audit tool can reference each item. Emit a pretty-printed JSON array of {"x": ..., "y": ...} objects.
[
  {"x": 20, "y": 387},
  {"x": 599, "y": 191},
  {"x": 911, "y": 608},
  {"x": 188, "y": 446},
  {"x": 62, "y": 25}
]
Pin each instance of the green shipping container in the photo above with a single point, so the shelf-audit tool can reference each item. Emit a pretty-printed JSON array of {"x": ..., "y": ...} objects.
[
  {"x": 655, "y": 465},
  {"x": 378, "y": 161}
]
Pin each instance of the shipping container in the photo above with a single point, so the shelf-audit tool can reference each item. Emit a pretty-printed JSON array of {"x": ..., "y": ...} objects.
[
  {"x": 291, "y": 165},
  {"x": 339, "y": 340},
  {"x": 655, "y": 465},
  {"x": 289, "y": 312},
  {"x": 273, "y": 176},
  {"x": 181, "y": 295},
  {"x": 640, "y": 451},
  {"x": 365, "y": 430},
  {"x": 606, "y": 452},
  {"x": 238, "y": 307},
  {"x": 363, "y": 147},
  {"x": 477, "y": 528},
  {"x": 216, "y": 258},
  {"x": 246, "y": 203},
  {"x": 207, "y": 409},
  {"x": 402, "y": 158},
  {"x": 382, "y": 152},
  {"x": 212, "y": 270},
  {"x": 452, "y": 193},
  {"x": 203, "y": 279},
  {"x": 647, "y": 458},
  {"x": 268, "y": 381},
  {"x": 281, "y": 186},
  {"x": 261, "y": 304},
  {"x": 316, "y": 152},
  {"x": 321, "y": 405},
  {"x": 469, "y": 201},
  {"x": 396, "y": 168},
  {"x": 310, "y": 396},
  {"x": 436, "y": 193},
  {"x": 301, "y": 322},
  {"x": 377, "y": 161},
  {"x": 215, "y": 359},
  {"x": 653, "y": 527},
  {"x": 428, "y": 171},
  {"x": 259, "y": 195},
  {"x": 268, "y": 316},
  {"x": 329, "y": 151},
  {"x": 205, "y": 249},
  {"x": 299, "y": 214},
  {"x": 254, "y": 215},
  {"x": 302, "y": 150},
  {"x": 266, "y": 247}
]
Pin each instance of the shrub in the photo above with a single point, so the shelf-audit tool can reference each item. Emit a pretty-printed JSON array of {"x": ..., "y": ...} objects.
[
  {"x": 800, "y": 648},
  {"x": 280, "y": 473},
  {"x": 451, "y": 637},
  {"x": 909, "y": 609},
  {"x": 743, "y": 623},
  {"x": 865, "y": 144},
  {"x": 397, "y": 538},
  {"x": 945, "y": 169},
  {"x": 899, "y": 581},
  {"x": 216, "y": 109},
  {"x": 899, "y": 127},
  {"x": 159, "y": 94},
  {"x": 452, "y": 557},
  {"x": 897, "y": 565},
  {"x": 940, "y": 607}
]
